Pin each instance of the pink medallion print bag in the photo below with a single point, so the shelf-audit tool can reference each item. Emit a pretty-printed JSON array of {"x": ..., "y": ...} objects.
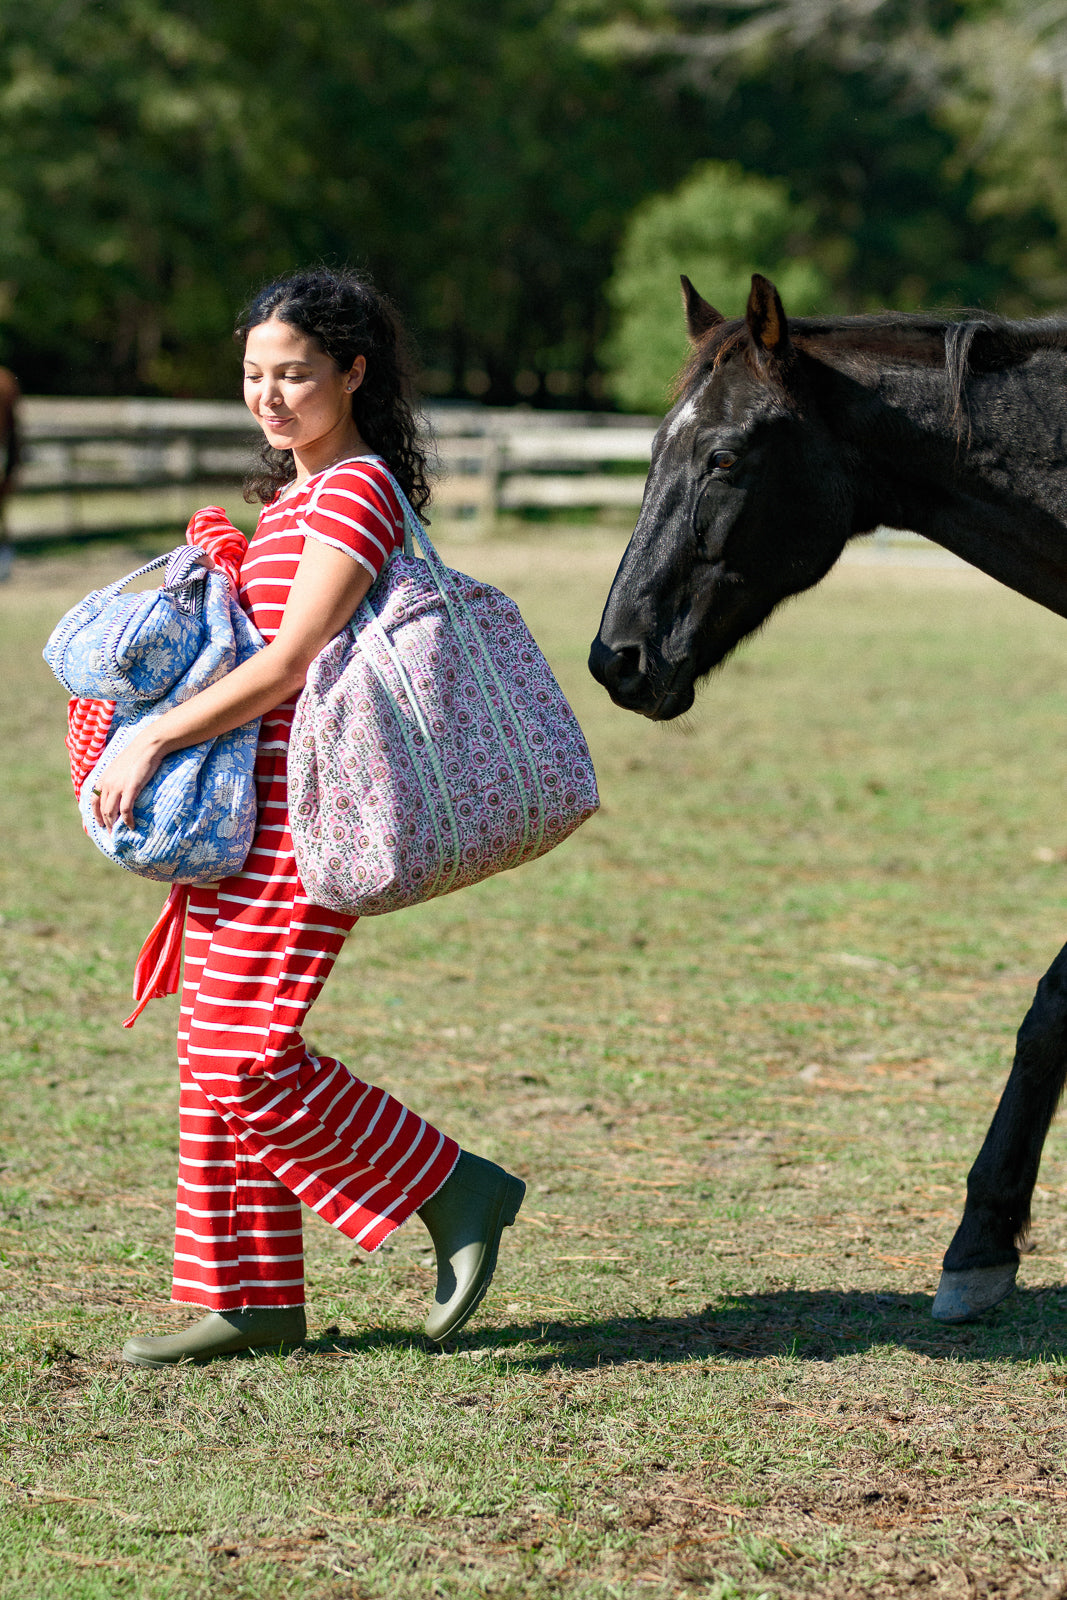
[{"x": 431, "y": 745}]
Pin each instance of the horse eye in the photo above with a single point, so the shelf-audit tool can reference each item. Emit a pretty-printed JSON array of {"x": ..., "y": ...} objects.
[{"x": 723, "y": 460}]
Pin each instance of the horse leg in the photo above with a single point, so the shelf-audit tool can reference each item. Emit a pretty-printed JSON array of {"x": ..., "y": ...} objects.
[{"x": 981, "y": 1262}]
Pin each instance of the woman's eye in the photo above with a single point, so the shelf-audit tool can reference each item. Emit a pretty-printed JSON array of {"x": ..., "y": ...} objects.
[{"x": 723, "y": 460}]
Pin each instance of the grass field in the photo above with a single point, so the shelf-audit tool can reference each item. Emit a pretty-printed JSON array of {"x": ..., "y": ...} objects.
[{"x": 742, "y": 1036}]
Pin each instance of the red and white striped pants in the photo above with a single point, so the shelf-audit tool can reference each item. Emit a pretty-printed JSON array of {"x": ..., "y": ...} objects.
[{"x": 264, "y": 1125}]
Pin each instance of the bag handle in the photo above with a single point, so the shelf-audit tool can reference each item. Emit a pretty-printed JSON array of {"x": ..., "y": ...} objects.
[
  {"x": 92, "y": 605},
  {"x": 372, "y": 628},
  {"x": 413, "y": 526},
  {"x": 183, "y": 559},
  {"x": 181, "y": 564}
]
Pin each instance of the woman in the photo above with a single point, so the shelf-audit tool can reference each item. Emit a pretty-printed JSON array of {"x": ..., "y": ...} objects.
[{"x": 265, "y": 1125}]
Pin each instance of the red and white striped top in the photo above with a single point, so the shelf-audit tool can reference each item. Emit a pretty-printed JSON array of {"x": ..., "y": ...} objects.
[{"x": 351, "y": 506}]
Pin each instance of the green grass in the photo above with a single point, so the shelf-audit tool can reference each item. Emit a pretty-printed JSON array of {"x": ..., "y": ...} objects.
[{"x": 742, "y": 1036}]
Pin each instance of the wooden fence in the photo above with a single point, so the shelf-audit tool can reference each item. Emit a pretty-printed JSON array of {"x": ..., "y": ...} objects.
[{"x": 106, "y": 467}]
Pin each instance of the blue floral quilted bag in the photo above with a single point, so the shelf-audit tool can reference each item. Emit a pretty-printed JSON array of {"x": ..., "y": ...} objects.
[
  {"x": 195, "y": 819},
  {"x": 133, "y": 647}
]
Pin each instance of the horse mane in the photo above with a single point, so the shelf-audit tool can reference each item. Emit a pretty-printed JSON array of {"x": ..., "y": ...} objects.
[
  {"x": 961, "y": 341},
  {"x": 710, "y": 352}
]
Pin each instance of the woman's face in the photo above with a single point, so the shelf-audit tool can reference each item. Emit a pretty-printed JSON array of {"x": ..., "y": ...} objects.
[{"x": 297, "y": 393}]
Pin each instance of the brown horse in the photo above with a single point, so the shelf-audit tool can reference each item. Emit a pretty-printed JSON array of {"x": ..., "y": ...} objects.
[
  {"x": 788, "y": 439},
  {"x": 10, "y": 443}
]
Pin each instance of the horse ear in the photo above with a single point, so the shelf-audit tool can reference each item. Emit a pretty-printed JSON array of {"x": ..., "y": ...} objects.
[
  {"x": 766, "y": 319},
  {"x": 700, "y": 318}
]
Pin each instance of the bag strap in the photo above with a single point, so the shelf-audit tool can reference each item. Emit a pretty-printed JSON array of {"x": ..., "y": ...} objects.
[
  {"x": 149, "y": 566},
  {"x": 457, "y": 607},
  {"x": 94, "y": 603},
  {"x": 415, "y": 534},
  {"x": 372, "y": 628},
  {"x": 180, "y": 565}
]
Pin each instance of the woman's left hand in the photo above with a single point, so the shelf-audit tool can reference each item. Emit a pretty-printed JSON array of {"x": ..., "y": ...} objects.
[
  {"x": 326, "y": 590},
  {"x": 123, "y": 781}
]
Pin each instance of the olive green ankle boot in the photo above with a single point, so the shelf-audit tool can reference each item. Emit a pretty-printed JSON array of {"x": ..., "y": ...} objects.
[
  {"x": 220, "y": 1333},
  {"x": 466, "y": 1217}
]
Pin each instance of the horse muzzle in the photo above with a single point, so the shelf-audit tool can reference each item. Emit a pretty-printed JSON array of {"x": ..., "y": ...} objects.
[{"x": 622, "y": 671}]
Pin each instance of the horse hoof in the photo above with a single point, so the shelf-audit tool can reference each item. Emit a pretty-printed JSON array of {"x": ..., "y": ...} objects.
[{"x": 964, "y": 1296}]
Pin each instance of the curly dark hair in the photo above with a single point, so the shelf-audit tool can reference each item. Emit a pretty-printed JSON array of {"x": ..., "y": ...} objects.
[{"x": 348, "y": 317}]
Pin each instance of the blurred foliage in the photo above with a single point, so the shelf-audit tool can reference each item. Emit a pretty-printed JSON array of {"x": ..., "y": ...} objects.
[
  {"x": 160, "y": 158},
  {"x": 484, "y": 158},
  {"x": 920, "y": 141},
  {"x": 713, "y": 228},
  {"x": 1004, "y": 101}
]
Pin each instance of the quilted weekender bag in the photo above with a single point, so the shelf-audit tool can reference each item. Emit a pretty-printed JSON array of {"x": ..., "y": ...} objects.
[
  {"x": 195, "y": 818},
  {"x": 133, "y": 647},
  {"x": 431, "y": 746}
]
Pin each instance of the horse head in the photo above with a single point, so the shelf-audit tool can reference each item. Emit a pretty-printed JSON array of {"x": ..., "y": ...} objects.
[{"x": 747, "y": 502}]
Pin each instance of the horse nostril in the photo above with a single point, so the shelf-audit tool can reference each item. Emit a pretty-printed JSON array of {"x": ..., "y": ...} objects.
[
  {"x": 625, "y": 665},
  {"x": 618, "y": 668}
]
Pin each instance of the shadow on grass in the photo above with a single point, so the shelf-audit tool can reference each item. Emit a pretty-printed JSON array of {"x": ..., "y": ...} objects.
[{"x": 809, "y": 1324}]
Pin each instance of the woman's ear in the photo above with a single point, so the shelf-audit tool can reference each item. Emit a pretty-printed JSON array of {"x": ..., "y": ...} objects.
[{"x": 355, "y": 374}]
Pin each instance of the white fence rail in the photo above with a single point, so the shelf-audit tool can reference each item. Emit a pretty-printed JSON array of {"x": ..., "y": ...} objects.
[{"x": 109, "y": 466}]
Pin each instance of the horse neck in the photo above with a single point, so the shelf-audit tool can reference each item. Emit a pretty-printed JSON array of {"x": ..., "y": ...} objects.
[{"x": 986, "y": 479}]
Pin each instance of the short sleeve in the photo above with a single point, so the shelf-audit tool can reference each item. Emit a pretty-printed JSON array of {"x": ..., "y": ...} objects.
[{"x": 355, "y": 508}]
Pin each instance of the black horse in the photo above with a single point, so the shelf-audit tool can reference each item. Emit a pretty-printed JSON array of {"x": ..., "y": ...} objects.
[{"x": 787, "y": 440}]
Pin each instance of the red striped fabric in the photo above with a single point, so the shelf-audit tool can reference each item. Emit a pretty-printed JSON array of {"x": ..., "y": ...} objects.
[
  {"x": 265, "y": 1125},
  {"x": 211, "y": 529},
  {"x": 88, "y": 722}
]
